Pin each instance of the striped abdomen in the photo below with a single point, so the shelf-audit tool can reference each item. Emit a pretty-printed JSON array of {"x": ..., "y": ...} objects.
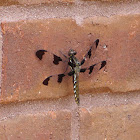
[{"x": 76, "y": 87}]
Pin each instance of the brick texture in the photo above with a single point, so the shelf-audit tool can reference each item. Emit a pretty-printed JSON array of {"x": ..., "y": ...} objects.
[
  {"x": 32, "y": 2},
  {"x": 23, "y": 73},
  {"x": 110, "y": 123},
  {"x": 41, "y": 126},
  {"x": 112, "y": 0},
  {"x": 7, "y": 2},
  {"x": 109, "y": 99},
  {"x": 36, "y": 2}
]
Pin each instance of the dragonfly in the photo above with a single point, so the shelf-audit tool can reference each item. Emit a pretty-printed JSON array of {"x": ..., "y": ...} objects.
[{"x": 75, "y": 66}]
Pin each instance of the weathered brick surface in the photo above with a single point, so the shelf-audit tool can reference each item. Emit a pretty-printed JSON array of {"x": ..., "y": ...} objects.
[
  {"x": 41, "y": 126},
  {"x": 23, "y": 73},
  {"x": 108, "y": 116},
  {"x": 30, "y": 2},
  {"x": 110, "y": 123},
  {"x": 7, "y": 2},
  {"x": 121, "y": 35},
  {"x": 33, "y": 2},
  {"x": 112, "y": 0}
]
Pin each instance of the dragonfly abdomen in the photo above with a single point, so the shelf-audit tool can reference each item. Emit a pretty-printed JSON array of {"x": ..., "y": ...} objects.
[{"x": 76, "y": 87}]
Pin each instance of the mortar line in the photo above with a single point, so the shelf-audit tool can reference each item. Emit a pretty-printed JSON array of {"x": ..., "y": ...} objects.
[
  {"x": 1, "y": 42},
  {"x": 68, "y": 104},
  {"x": 75, "y": 124},
  {"x": 78, "y": 11}
]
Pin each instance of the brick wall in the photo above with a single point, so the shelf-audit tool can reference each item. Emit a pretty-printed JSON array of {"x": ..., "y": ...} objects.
[{"x": 109, "y": 99}]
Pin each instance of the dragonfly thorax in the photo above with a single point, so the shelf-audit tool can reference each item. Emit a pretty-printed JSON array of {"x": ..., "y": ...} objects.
[{"x": 72, "y": 52}]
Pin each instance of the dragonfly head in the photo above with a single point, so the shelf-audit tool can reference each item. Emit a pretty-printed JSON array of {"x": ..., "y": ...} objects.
[{"x": 72, "y": 52}]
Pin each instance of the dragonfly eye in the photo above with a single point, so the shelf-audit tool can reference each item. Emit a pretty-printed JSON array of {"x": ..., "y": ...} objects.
[
  {"x": 72, "y": 52},
  {"x": 75, "y": 53}
]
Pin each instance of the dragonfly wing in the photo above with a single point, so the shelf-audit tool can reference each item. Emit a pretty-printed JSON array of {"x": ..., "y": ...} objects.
[
  {"x": 59, "y": 77},
  {"x": 91, "y": 51},
  {"x": 56, "y": 59},
  {"x": 91, "y": 68}
]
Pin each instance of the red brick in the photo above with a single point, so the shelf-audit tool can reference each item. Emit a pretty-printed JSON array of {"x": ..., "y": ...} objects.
[
  {"x": 113, "y": 0},
  {"x": 121, "y": 36},
  {"x": 32, "y": 2},
  {"x": 7, "y": 2},
  {"x": 41, "y": 126},
  {"x": 23, "y": 73},
  {"x": 110, "y": 123}
]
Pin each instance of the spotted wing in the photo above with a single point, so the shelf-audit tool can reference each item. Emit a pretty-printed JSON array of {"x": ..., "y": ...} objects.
[
  {"x": 91, "y": 68},
  {"x": 91, "y": 51},
  {"x": 58, "y": 76},
  {"x": 40, "y": 54}
]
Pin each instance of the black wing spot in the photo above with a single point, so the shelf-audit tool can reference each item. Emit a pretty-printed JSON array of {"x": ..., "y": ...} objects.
[
  {"x": 40, "y": 53},
  {"x": 45, "y": 82},
  {"x": 102, "y": 64},
  {"x": 60, "y": 78},
  {"x": 83, "y": 61},
  {"x": 83, "y": 70},
  {"x": 89, "y": 53},
  {"x": 70, "y": 73},
  {"x": 97, "y": 42},
  {"x": 91, "y": 69},
  {"x": 56, "y": 59}
]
